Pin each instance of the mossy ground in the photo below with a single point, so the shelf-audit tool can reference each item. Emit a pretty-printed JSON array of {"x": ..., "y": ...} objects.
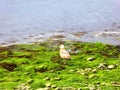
[{"x": 39, "y": 65}]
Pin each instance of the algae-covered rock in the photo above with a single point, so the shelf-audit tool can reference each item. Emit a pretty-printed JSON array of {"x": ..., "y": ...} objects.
[
  {"x": 92, "y": 76},
  {"x": 53, "y": 86},
  {"x": 8, "y": 66},
  {"x": 102, "y": 66},
  {"x": 91, "y": 58},
  {"x": 57, "y": 78},
  {"x": 47, "y": 78},
  {"x": 112, "y": 66},
  {"x": 30, "y": 81},
  {"x": 23, "y": 86},
  {"x": 48, "y": 84}
]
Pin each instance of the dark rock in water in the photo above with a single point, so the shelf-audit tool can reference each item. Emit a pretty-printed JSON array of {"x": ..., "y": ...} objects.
[{"x": 8, "y": 66}]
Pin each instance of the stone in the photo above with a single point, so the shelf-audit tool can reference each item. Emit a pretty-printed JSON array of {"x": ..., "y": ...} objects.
[
  {"x": 30, "y": 81},
  {"x": 40, "y": 89},
  {"x": 90, "y": 58},
  {"x": 23, "y": 86},
  {"x": 58, "y": 88},
  {"x": 48, "y": 84},
  {"x": 102, "y": 66},
  {"x": 47, "y": 78},
  {"x": 94, "y": 70},
  {"x": 57, "y": 78},
  {"x": 111, "y": 66},
  {"x": 53, "y": 86},
  {"x": 46, "y": 88},
  {"x": 92, "y": 76}
]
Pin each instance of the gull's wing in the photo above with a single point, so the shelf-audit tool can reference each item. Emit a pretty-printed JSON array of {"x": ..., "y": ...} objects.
[{"x": 65, "y": 54}]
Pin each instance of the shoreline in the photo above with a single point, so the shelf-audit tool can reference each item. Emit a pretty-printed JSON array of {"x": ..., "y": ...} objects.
[{"x": 105, "y": 37}]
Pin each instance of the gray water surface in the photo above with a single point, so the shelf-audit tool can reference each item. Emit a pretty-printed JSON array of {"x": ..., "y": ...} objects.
[{"x": 19, "y": 18}]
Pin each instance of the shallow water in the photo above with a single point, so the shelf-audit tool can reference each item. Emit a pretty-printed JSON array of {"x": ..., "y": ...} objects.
[{"x": 21, "y": 18}]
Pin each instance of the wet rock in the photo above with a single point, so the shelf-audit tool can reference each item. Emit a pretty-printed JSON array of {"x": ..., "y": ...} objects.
[
  {"x": 112, "y": 66},
  {"x": 84, "y": 71},
  {"x": 47, "y": 78},
  {"x": 68, "y": 88},
  {"x": 115, "y": 83},
  {"x": 8, "y": 66},
  {"x": 104, "y": 83},
  {"x": 48, "y": 84},
  {"x": 53, "y": 86},
  {"x": 47, "y": 88},
  {"x": 58, "y": 88},
  {"x": 79, "y": 89},
  {"x": 23, "y": 86},
  {"x": 30, "y": 81},
  {"x": 71, "y": 70},
  {"x": 40, "y": 89},
  {"x": 57, "y": 78},
  {"x": 92, "y": 87},
  {"x": 92, "y": 76},
  {"x": 102, "y": 66},
  {"x": 79, "y": 34},
  {"x": 94, "y": 70},
  {"x": 90, "y": 58}
]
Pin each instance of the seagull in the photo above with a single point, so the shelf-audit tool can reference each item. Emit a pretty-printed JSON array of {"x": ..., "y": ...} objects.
[{"x": 63, "y": 53}]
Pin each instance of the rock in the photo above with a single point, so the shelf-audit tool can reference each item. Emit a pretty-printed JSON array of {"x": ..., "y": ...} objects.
[
  {"x": 40, "y": 89},
  {"x": 71, "y": 70},
  {"x": 47, "y": 88},
  {"x": 90, "y": 58},
  {"x": 53, "y": 86},
  {"x": 30, "y": 81},
  {"x": 48, "y": 84},
  {"x": 92, "y": 76},
  {"x": 79, "y": 89},
  {"x": 104, "y": 83},
  {"x": 92, "y": 88},
  {"x": 102, "y": 66},
  {"x": 58, "y": 88},
  {"x": 23, "y": 86},
  {"x": 47, "y": 78},
  {"x": 94, "y": 70},
  {"x": 8, "y": 66},
  {"x": 112, "y": 66},
  {"x": 114, "y": 83},
  {"x": 68, "y": 88},
  {"x": 57, "y": 79}
]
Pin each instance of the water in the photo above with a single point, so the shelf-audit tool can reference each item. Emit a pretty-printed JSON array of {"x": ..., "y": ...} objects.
[{"x": 21, "y": 18}]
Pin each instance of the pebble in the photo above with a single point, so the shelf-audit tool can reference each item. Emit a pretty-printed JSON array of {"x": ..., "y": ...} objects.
[
  {"x": 53, "y": 86},
  {"x": 30, "y": 81},
  {"x": 58, "y": 88},
  {"x": 48, "y": 84},
  {"x": 57, "y": 79},
  {"x": 102, "y": 66},
  {"x": 90, "y": 58},
  {"x": 111, "y": 66},
  {"x": 94, "y": 70},
  {"x": 92, "y": 76},
  {"x": 47, "y": 78}
]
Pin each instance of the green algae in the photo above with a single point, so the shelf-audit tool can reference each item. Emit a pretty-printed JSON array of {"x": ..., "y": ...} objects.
[{"x": 36, "y": 62}]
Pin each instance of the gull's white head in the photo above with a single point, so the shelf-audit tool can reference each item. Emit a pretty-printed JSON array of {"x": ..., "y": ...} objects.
[{"x": 61, "y": 46}]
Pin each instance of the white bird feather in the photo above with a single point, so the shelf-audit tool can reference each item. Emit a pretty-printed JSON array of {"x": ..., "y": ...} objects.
[{"x": 63, "y": 53}]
